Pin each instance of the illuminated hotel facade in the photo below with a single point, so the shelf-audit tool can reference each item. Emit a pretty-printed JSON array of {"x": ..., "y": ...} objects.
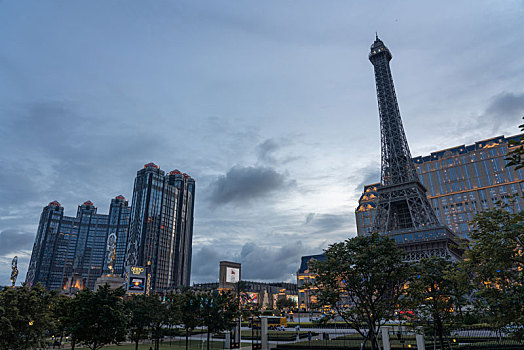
[
  {"x": 70, "y": 252},
  {"x": 461, "y": 181},
  {"x": 161, "y": 227},
  {"x": 305, "y": 278}
]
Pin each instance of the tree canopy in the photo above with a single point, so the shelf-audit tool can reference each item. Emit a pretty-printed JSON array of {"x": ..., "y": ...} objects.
[
  {"x": 362, "y": 280},
  {"x": 99, "y": 317},
  {"x": 25, "y": 317},
  {"x": 437, "y": 291},
  {"x": 496, "y": 259}
]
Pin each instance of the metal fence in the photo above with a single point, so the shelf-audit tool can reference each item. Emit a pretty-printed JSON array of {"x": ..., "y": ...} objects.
[
  {"x": 478, "y": 338},
  {"x": 326, "y": 337}
]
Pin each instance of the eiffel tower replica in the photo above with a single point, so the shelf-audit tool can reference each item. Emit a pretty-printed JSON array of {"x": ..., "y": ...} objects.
[{"x": 403, "y": 210}]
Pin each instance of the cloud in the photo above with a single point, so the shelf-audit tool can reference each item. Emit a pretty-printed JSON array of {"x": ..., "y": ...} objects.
[
  {"x": 266, "y": 149},
  {"x": 366, "y": 175},
  {"x": 259, "y": 263},
  {"x": 204, "y": 266},
  {"x": 270, "y": 151},
  {"x": 506, "y": 107},
  {"x": 505, "y": 110},
  {"x": 14, "y": 242},
  {"x": 502, "y": 114},
  {"x": 309, "y": 218},
  {"x": 243, "y": 184},
  {"x": 328, "y": 223}
]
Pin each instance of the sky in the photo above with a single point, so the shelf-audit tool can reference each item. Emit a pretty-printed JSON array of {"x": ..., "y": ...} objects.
[{"x": 269, "y": 105}]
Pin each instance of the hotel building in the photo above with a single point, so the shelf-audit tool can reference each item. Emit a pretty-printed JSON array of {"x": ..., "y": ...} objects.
[
  {"x": 70, "y": 252},
  {"x": 161, "y": 227}
]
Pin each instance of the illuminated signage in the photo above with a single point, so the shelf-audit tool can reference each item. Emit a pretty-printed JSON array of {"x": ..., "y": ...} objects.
[
  {"x": 136, "y": 280},
  {"x": 232, "y": 275},
  {"x": 136, "y": 284},
  {"x": 136, "y": 270},
  {"x": 249, "y": 298}
]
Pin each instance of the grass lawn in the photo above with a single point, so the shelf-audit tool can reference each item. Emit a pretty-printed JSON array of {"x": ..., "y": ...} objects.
[{"x": 175, "y": 345}]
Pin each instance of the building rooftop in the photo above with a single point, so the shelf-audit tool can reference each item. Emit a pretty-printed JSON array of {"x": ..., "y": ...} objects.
[{"x": 306, "y": 259}]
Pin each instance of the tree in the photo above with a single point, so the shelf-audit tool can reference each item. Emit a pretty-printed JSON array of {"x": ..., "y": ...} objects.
[
  {"x": 362, "y": 279},
  {"x": 62, "y": 313},
  {"x": 496, "y": 258},
  {"x": 139, "y": 321},
  {"x": 437, "y": 292},
  {"x": 99, "y": 317},
  {"x": 515, "y": 158},
  {"x": 158, "y": 317},
  {"x": 286, "y": 303},
  {"x": 25, "y": 317},
  {"x": 218, "y": 311},
  {"x": 185, "y": 308}
]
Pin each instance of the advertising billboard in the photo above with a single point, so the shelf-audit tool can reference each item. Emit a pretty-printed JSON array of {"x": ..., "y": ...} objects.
[
  {"x": 232, "y": 275},
  {"x": 248, "y": 298},
  {"x": 136, "y": 280},
  {"x": 137, "y": 284}
]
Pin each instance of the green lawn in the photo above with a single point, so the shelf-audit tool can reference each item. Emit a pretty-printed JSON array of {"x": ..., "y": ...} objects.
[{"x": 175, "y": 345}]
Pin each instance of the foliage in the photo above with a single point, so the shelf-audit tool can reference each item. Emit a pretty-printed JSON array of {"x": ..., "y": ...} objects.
[
  {"x": 158, "y": 317},
  {"x": 362, "y": 279},
  {"x": 62, "y": 314},
  {"x": 286, "y": 303},
  {"x": 515, "y": 158},
  {"x": 496, "y": 257},
  {"x": 139, "y": 317},
  {"x": 218, "y": 311},
  {"x": 185, "y": 308},
  {"x": 437, "y": 293},
  {"x": 25, "y": 317},
  {"x": 99, "y": 317}
]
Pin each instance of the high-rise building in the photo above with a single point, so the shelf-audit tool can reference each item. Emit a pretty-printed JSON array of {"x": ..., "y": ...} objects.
[
  {"x": 461, "y": 181},
  {"x": 161, "y": 227},
  {"x": 119, "y": 212},
  {"x": 73, "y": 249},
  {"x": 403, "y": 211}
]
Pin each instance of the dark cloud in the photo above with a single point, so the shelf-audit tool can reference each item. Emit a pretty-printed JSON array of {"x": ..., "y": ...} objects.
[
  {"x": 204, "y": 266},
  {"x": 504, "y": 109},
  {"x": 309, "y": 217},
  {"x": 13, "y": 242},
  {"x": 328, "y": 223},
  {"x": 258, "y": 262},
  {"x": 502, "y": 114},
  {"x": 266, "y": 149},
  {"x": 275, "y": 264},
  {"x": 367, "y": 175},
  {"x": 270, "y": 151},
  {"x": 243, "y": 184}
]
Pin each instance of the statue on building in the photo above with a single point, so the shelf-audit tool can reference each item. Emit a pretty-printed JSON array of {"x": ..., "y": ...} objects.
[
  {"x": 111, "y": 253},
  {"x": 14, "y": 270}
]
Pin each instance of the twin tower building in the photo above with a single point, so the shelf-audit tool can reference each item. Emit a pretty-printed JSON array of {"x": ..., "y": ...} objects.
[{"x": 152, "y": 238}]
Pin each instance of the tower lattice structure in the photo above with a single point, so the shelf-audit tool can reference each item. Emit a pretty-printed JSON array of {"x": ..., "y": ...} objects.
[{"x": 403, "y": 210}]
